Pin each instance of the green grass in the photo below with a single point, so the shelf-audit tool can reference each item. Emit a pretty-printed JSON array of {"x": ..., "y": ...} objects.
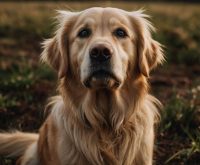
[
  {"x": 181, "y": 117},
  {"x": 25, "y": 83}
]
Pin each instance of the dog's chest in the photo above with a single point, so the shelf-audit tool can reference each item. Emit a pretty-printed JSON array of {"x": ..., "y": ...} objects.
[{"x": 105, "y": 149}]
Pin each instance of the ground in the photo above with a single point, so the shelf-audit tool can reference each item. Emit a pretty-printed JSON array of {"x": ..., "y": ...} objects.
[{"x": 25, "y": 83}]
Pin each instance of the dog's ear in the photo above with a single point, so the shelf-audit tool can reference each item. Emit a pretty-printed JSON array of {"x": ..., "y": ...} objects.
[
  {"x": 52, "y": 55},
  {"x": 56, "y": 49},
  {"x": 150, "y": 55},
  {"x": 149, "y": 51}
]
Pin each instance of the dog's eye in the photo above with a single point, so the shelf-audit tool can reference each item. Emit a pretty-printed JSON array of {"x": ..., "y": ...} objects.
[
  {"x": 120, "y": 33},
  {"x": 84, "y": 33}
]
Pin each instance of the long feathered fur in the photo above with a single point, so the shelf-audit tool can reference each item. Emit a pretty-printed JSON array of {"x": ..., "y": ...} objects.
[
  {"x": 96, "y": 127},
  {"x": 15, "y": 144}
]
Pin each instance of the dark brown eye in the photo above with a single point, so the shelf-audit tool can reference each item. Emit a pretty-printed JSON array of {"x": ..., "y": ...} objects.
[
  {"x": 120, "y": 33},
  {"x": 84, "y": 33}
]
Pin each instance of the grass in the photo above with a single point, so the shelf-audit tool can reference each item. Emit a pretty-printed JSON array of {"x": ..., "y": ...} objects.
[
  {"x": 178, "y": 138},
  {"x": 25, "y": 84},
  {"x": 181, "y": 117}
]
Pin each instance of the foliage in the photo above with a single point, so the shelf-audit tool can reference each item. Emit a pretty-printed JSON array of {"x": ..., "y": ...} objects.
[{"x": 182, "y": 117}]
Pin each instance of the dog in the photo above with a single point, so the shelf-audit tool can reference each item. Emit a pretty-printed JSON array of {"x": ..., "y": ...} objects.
[{"x": 104, "y": 114}]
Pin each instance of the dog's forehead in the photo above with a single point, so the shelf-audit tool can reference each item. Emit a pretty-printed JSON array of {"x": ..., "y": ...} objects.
[
  {"x": 98, "y": 14},
  {"x": 101, "y": 10}
]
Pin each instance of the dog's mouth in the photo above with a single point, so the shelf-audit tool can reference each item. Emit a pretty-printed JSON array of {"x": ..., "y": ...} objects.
[{"x": 102, "y": 79}]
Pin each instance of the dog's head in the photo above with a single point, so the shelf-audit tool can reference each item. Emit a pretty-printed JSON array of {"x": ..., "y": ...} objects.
[{"x": 101, "y": 47}]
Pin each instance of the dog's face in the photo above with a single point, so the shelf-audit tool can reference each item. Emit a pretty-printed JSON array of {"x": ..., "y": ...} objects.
[{"x": 102, "y": 47}]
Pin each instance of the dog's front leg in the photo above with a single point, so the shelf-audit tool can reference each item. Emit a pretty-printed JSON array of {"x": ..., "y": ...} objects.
[{"x": 145, "y": 153}]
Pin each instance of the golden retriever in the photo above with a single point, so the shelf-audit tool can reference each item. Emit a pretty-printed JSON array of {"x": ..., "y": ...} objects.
[{"x": 103, "y": 114}]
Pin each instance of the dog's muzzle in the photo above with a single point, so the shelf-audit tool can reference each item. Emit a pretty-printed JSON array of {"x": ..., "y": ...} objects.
[{"x": 101, "y": 75}]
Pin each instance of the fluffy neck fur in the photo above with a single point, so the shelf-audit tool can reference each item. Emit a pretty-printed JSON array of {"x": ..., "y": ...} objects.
[{"x": 111, "y": 123}]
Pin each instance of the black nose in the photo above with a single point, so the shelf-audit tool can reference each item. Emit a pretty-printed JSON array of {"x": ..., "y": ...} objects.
[{"x": 100, "y": 53}]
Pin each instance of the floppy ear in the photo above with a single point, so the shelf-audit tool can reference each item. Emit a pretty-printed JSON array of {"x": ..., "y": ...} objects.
[
  {"x": 149, "y": 51},
  {"x": 55, "y": 50},
  {"x": 52, "y": 56},
  {"x": 150, "y": 55}
]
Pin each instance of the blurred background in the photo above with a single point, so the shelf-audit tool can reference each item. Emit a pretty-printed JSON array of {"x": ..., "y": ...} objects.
[{"x": 25, "y": 83}]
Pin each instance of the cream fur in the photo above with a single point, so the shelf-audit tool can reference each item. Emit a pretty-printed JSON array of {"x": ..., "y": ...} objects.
[{"x": 113, "y": 126}]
